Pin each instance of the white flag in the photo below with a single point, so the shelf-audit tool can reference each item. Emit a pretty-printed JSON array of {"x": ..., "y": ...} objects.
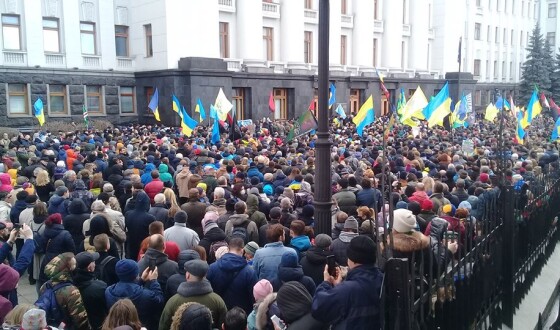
[
  {"x": 222, "y": 105},
  {"x": 415, "y": 105}
]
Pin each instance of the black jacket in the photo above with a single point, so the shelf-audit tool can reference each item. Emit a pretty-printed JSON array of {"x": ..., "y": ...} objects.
[
  {"x": 109, "y": 274},
  {"x": 57, "y": 240},
  {"x": 159, "y": 211},
  {"x": 313, "y": 263},
  {"x": 93, "y": 296},
  {"x": 213, "y": 235},
  {"x": 74, "y": 221},
  {"x": 137, "y": 222}
]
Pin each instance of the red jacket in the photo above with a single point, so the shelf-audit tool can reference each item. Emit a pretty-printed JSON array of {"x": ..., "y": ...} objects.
[{"x": 153, "y": 188}]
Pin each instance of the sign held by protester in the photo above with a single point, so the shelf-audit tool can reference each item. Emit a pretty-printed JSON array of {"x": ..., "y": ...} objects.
[
  {"x": 305, "y": 124},
  {"x": 468, "y": 147}
]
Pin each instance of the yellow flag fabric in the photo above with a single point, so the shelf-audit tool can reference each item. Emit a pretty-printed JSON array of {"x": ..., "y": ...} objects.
[
  {"x": 414, "y": 106},
  {"x": 491, "y": 112},
  {"x": 222, "y": 105}
]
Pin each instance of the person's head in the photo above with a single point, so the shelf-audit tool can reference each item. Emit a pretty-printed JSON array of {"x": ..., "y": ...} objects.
[
  {"x": 351, "y": 225},
  {"x": 196, "y": 270},
  {"x": 219, "y": 193},
  {"x": 157, "y": 242},
  {"x": 403, "y": 221},
  {"x": 123, "y": 312},
  {"x": 155, "y": 174},
  {"x": 181, "y": 217},
  {"x": 54, "y": 219},
  {"x": 193, "y": 194},
  {"x": 275, "y": 213},
  {"x": 361, "y": 251},
  {"x": 250, "y": 249},
  {"x": 297, "y": 228},
  {"x": 236, "y": 319},
  {"x": 86, "y": 261},
  {"x": 438, "y": 187},
  {"x": 15, "y": 316},
  {"x": 40, "y": 210},
  {"x": 240, "y": 207},
  {"x": 275, "y": 233},
  {"x": 156, "y": 227},
  {"x": 192, "y": 316},
  {"x": 343, "y": 183},
  {"x": 262, "y": 289},
  {"x": 236, "y": 246},
  {"x": 341, "y": 217},
  {"x": 127, "y": 270},
  {"x": 159, "y": 199},
  {"x": 101, "y": 243},
  {"x": 42, "y": 178}
]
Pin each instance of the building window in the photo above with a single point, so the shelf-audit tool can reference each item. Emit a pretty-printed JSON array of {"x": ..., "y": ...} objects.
[
  {"x": 403, "y": 55},
  {"x": 385, "y": 102},
  {"x": 476, "y": 70},
  {"x": 121, "y": 40},
  {"x": 477, "y": 98},
  {"x": 552, "y": 10},
  {"x": 551, "y": 37},
  {"x": 496, "y": 35},
  {"x": 511, "y": 41},
  {"x": 87, "y": 36},
  {"x": 51, "y": 35},
  {"x": 308, "y": 4},
  {"x": 488, "y": 38},
  {"x": 127, "y": 99},
  {"x": 94, "y": 100},
  {"x": 521, "y": 38},
  {"x": 495, "y": 69},
  {"x": 375, "y": 9},
  {"x": 224, "y": 39},
  {"x": 281, "y": 103},
  {"x": 148, "y": 39},
  {"x": 487, "y": 69},
  {"x": 57, "y": 99},
  {"x": 308, "y": 47},
  {"x": 503, "y": 69},
  {"x": 512, "y": 7},
  {"x": 343, "y": 50},
  {"x": 148, "y": 93},
  {"x": 17, "y": 99},
  {"x": 430, "y": 16},
  {"x": 268, "y": 42},
  {"x": 510, "y": 70},
  {"x": 343, "y": 7},
  {"x": 478, "y": 3},
  {"x": 11, "y": 32},
  {"x": 239, "y": 103},
  {"x": 477, "y": 27},
  {"x": 504, "y": 37},
  {"x": 354, "y": 101},
  {"x": 522, "y": 8},
  {"x": 527, "y": 38},
  {"x": 375, "y": 52}
]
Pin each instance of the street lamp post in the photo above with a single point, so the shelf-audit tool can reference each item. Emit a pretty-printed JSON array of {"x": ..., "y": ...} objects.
[{"x": 323, "y": 181}]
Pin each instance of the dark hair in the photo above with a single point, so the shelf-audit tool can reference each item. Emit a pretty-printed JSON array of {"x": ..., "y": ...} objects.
[
  {"x": 155, "y": 174},
  {"x": 352, "y": 181},
  {"x": 343, "y": 183},
  {"x": 22, "y": 195},
  {"x": 298, "y": 227},
  {"x": 104, "y": 197},
  {"x": 138, "y": 185},
  {"x": 236, "y": 243},
  {"x": 236, "y": 319},
  {"x": 274, "y": 232},
  {"x": 156, "y": 227},
  {"x": 366, "y": 183},
  {"x": 240, "y": 207},
  {"x": 438, "y": 187}
]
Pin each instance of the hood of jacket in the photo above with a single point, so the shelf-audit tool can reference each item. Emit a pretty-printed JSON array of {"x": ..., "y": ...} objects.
[
  {"x": 129, "y": 290},
  {"x": 410, "y": 242},
  {"x": 82, "y": 278},
  {"x": 252, "y": 203},
  {"x": 215, "y": 234},
  {"x": 317, "y": 256},
  {"x": 142, "y": 202},
  {"x": 9, "y": 278},
  {"x": 79, "y": 185},
  {"x": 5, "y": 179},
  {"x": 190, "y": 289},
  {"x": 149, "y": 168},
  {"x": 53, "y": 230},
  {"x": 231, "y": 262},
  {"x": 302, "y": 243},
  {"x": 55, "y": 201},
  {"x": 156, "y": 255},
  {"x": 163, "y": 168},
  {"x": 77, "y": 206},
  {"x": 347, "y": 236},
  {"x": 238, "y": 219},
  {"x": 262, "y": 311},
  {"x": 58, "y": 269},
  {"x": 183, "y": 257},
  {"x": 286, "y": 274},
  {"x": 437, "y": 229}
]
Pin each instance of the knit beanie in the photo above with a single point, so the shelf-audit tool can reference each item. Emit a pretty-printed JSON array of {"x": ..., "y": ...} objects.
[
  {"x": 362, "y": 250},
  {"x": 323, "y": 241},
  {"x": 294, "y": 301},
  {"x": 181, "y": 217},
  {"x": 127, "y": 270},
  {"x": 196, "y": 316},
  {"x": 54, "y": 219},
  {"x": 262, "y": 289}
]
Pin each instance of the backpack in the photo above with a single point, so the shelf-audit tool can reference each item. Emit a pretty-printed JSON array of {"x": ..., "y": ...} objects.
[
  {"x": 99, "y": 269},
  {"x": 214, "y": 247},
  {"x": 40, "y": 241},
  {"x": 241, "y": 232},
  {"x": 47, "y": 302}
]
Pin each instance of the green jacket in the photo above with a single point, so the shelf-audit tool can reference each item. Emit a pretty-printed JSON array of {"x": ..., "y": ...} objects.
[
  {"x": 253, "y": 211},
  {"x": 199, "y": 292}
]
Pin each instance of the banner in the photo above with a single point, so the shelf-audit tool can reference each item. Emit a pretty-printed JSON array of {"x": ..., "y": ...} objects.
[
  {"x": 468, "y": 147},
  {"x": 305, "y": 124}
]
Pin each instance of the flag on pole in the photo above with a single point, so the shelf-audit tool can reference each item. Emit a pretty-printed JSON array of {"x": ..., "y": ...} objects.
[
  {"x": 520, "y": 132},
  {"x": 86, "y": 116},
  {"x": 153, "y": 105},
  {"x": 271, "y": 104},
  {"x": 491, "y": 112},
  {"x": 223, "y": 105},
  {"x": 401, "y": 102},
  {"x": 382, "y": 85},
  {"x": 544, "y": 101},
  {"x": 534, "y": 108},
  {"x": 390, "y": 125},
  {"x": 215, "y": 129},
  {"x": 556, "y": 131},
  {"x": 39, "y": 111},
  {"x": 199, "y": 108},
  {"x": 365, "y": 116},
  {"x": 554, "y": 107},
  {"x": 332, "y": 95},
  {"x": 438, "y": 107},
  {"x": 340, "y": 111},
  {"x": 415, "y": 105},
  {"x": 187, "y": 123},
  {"x": 176, "y": 105},
  {"x": 305, "y": 124},
  {"x": 502, "y": 103},
  {"x": 311, "y": 105}
]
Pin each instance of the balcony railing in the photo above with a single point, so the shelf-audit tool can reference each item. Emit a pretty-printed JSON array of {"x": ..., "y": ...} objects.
[
  {"x": 234, "y": 64},
  {"x": 125, "y": 63},
  {"x": 15, "y": 58},
  {"x": 378, "y": 26},
  {"x": 92, "y": 61},
  {"x": 227, "y": 5},
  {"x": 347, "y": 21},
  {"x": 406, "y": 30},
  {"x": 54, "y": 59},
  {"x": 271, "y": 10},
  {"x": 311, "y": 16}
]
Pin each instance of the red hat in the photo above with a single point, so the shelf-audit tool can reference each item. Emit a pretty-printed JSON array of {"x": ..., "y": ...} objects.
[
  {"x": 66, "y": 147},
  {"x": 427, "y": 205},
  {"x": 484, "y": 177},
  {"x": 54, "y": 219}
]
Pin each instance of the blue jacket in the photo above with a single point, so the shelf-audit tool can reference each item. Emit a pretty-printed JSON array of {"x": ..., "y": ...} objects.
[
  {"x": 58, "y": 240},
  {"x": 354, "y": 303},
  {"x": 369, "y": 197},
  {"x": 267, "y": 260},
  {"x": 58, "y": 204},
  {"x": 24, "y": 259},
  {"x": 253, "y": 171},
  {"x": 148, "y": 299},
  {"x": 233, "y": 280},
  {"x": 147, "y": 176},
  {"x": 19, "y": 206},
  {"x": 300, "y": 244}
]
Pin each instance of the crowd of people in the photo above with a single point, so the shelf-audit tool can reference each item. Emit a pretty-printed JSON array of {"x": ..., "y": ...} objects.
[{"x": 140, "y": 227}]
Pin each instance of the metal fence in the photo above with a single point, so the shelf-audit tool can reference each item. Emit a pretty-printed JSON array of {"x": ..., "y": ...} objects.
[{"x": 500, "y": 254}]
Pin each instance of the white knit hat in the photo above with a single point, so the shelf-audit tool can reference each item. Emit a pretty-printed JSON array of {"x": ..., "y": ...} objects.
[{"x": 403, "y": 221}]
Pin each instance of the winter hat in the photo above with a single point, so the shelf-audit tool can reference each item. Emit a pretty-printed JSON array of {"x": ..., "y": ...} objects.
[
  {"x": 262, "y": 289},
  {"x": 202, "y": 185},
  {"x": 60, "y": 163},
  {"x": 294, "y": 301},
  {"x": 427, "y": 205},
  {"x": 268, "y": 177},
  {"x": 484, "y": 177},
  {"x": 196, "y": 316},
  {"x": 127, "y": 270},
  {"x": 403, "y": 221},
  {"x": 181, "y": 217},
  {"x": 362, "y": 250},
  {"x": 465, "y": 205},
  {"x": 448, "y": 209},
  {"x": 34, "y": 319},
  {"x": 323, "y": 241},
  {"x": 108, "y": 188},
  {"x": 197, "y": 267},
  {"x": 414, "y": 207},
  {"x": 54, "y": 219},
  {"x": 289, "y": 259},
  {"x": 401, "y": 205},
  {"x": 351, "y": 223},
  {"x": 251, "y": 248},
  {"x": 83, "y": 259},
  {"x": 184, "y": 257},
  {"x": 221, "y": 251}
]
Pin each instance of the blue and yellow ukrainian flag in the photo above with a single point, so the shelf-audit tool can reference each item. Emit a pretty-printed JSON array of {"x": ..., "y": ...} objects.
[
  {"x": 176, "y": 105},
  {"x": 154, "y": 104},
  {"x": 520, "y": 132},
  {"x": 365, "y": 116},
  {"x": 332, "y": 95},
  {"x": 187, "y": 123},
  {"x": 39, "y": 112},
  {"x": 502, "y": 102},
  {"x": 438, "y": 108},
  {"x": 200, "y": 109},
  {"x": 556, "y": 130},
  {"x": 533, "y": 109}
]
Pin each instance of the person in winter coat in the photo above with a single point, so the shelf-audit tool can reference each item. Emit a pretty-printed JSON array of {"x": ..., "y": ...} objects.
[
  {"x": 160, "y": 209},
  {"x": 145, "y": 294},
  {"x": 345, "y": 198},
  {"x": 5, "y": 208},
  {"x": 340, "y": 245},
  {"x": 81, "y": 191},
  {"x": 182, "y": 181},
  {"x": 369, "y": 196},
  {"x": 419, "y": 195},
  {"x": 353, "y": 303},
  {"x": 105, "y": 264},
  {"x": 19, "y": 206},
  {"x": 261, "y": 290},
  {"x": 59, "y": 201},
  {"x": 74, "y": 221},
  {"x": 156, "y": 252},
  {"x": 196, "y": 289},
  {"x": 175, "y": 280},
  {"x": 58, "y": 270},
  {"x": 294, "y": 303},
  {"x": 267, "y": 259},
  {"x": 97, "y": 226},
  {"x": 18, "y": 266},
  {"x": 426, "y": 214},
  {"x": 300, "y": 241},
  {"x": 164, "y": 175},
  {"x": 437, "y": 197},
  {"x": 241, "y": 219},
  {"x": 232, "y": 278},
  {"x": 8, "y": 283},
  {"x": 253, "y": 210},
  {"x": 5, "y": 182},
  {"x": 196, "y": 211},
  {"x": 91, "y": 290},
  {"x": 230, "y": 210},
  {"x": 56, "y": 240},
  {"x": 289, "y": 269},
  {"x": 314, "y": 261},
  {"x": 137, "y": 224},
  {"x": 116, "y": 174},
  {"x": 147, "y": 176},
  {"x": 154, "y": 187},
  {"x": 212, "y": 234},
  {"x": 184, "y": 237},
  {"x": 171, "y": 248}
]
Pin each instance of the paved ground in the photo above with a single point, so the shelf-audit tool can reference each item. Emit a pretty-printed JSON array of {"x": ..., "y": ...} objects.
[{"x": 26, "y": 292}]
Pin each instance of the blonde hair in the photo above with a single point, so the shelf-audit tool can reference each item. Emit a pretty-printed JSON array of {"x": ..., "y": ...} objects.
[
  {"x": 114, "y": 204},
  {"x": 15, "y": 316},
  {"x": 42, "y": 178},
  {"x": 123, "y": 312},
  {"x": 428, "y": 184},
  {"x": 170, "y": 197}
]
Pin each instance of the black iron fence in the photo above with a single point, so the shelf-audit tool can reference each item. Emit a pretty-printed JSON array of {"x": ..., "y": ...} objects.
[{"x": 501, "y": 250}]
